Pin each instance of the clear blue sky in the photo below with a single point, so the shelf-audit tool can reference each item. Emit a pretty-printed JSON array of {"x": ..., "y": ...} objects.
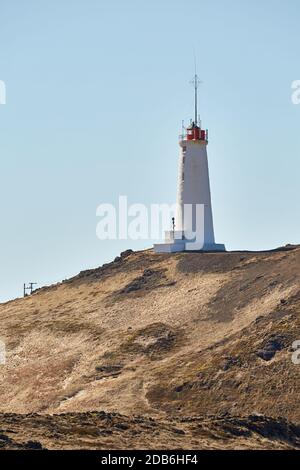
[{"x": 96, "y": 92}]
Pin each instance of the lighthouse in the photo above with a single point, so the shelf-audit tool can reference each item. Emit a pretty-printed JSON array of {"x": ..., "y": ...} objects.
[{"x": 192, "y": 228}]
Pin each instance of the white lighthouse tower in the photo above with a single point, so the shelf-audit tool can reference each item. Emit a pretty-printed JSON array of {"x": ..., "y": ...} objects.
[{"x": 193, "y": 228}]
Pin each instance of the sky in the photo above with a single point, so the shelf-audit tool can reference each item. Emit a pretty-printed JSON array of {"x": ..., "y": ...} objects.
[{"x": 95, "y": 95}]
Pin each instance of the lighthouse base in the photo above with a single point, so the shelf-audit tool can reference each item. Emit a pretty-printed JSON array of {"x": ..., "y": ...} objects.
[
  {"x": 176, "y": 243},
  {"x": 180, "y": 247}
]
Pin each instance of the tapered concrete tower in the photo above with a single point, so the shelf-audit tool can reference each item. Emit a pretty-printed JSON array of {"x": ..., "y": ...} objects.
[{"x": 193, "y": 228}]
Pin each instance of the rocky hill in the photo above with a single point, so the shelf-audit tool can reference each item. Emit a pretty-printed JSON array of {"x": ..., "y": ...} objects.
[{"x": 185, "y": 341}]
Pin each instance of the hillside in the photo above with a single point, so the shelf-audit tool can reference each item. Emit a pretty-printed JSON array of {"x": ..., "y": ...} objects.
[{"x": 168, "y": 337}]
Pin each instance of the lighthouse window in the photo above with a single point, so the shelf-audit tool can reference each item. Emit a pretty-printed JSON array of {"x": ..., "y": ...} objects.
[
  {"x": 183, "y": 159},
  {"x": 184, "y": 149}
]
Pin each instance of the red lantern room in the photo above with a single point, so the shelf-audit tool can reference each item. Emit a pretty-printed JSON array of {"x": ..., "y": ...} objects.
[{"x": 194, "y": 132}]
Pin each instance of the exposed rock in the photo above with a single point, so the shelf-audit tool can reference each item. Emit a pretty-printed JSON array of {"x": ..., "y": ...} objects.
[
  {"x": 126, "y": 253},
  {"x": 97, "y": 430},
  {"x": 104, "y": 371},
  {"x": 33, "y": 445},
  {"x": 271, "y": 347},
  {"x": 230, "y": 362},
  {"x": 148, "y": 281}
]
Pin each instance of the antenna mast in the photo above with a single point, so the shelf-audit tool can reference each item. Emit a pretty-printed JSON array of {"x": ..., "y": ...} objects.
[
  {"x": 196, "y": 82},
  {"x": 196, "y": 99}
]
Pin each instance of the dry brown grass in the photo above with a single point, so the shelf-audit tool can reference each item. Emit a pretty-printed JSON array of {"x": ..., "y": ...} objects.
[{"x": 182, "y": 341}]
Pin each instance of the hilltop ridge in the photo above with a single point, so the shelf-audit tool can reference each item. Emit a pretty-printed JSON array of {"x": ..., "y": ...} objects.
[{"x": 161, "y": 336}]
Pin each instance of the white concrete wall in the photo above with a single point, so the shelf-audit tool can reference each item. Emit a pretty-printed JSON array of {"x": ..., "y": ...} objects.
[{"x": 194, "y": 187}]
